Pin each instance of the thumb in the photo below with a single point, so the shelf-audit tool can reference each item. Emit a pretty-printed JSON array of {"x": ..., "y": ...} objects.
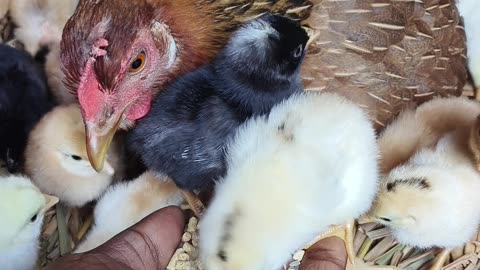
[
  {"x": 149, "y": 244},
  {"x": 327, "y": 254}
]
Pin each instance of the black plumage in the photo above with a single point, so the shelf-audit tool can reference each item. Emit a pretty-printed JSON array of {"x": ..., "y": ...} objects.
[
  {"x": 24, "y": 99},
  {"x": 185, "y": 134}
]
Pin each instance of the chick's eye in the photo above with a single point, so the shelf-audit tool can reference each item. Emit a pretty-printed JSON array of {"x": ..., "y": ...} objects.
[
  {"x": 75, "y": 157},
  {"x": 138, "y": 63},
  {"x": 298, "y": 51},
  {"x": 34, "y": 217}
]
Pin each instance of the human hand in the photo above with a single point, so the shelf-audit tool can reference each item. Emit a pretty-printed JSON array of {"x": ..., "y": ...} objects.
[
  {"x": 149, "y": 244},
  {"x": 327, "y": 254}
]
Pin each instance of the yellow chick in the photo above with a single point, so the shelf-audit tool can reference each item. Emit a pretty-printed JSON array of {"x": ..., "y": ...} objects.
[
  {"x": 22, "y": 207},
  {"x": 136, "y": 199},
  {"x": 40, "y": 25},
  {"x": 309, "y": 164},
  {"x": 56, "y": 158},
  {"x": 426, "y": 197}
]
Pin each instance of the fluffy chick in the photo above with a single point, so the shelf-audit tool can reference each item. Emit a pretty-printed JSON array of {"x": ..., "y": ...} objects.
[
  {"x": 310, "y": 164},
  {"x": 39, "y": 26},
  {"x": 423, "y": 127},
  {"x": 23, "y": 101},
  {"x": 137, "y": 199},
  {"x": 40, "y": 23},
  {"x": 22, "y": 207},
  {"x": 56, "y": 158},
  {"x": 427, "y": 201},
  {"x": 184, "y": 134},
  {"x": 469, "y": 10}
]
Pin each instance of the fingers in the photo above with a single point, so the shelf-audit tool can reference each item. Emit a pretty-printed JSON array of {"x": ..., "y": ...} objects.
[
  {"x": 327, "y": 254},
  {"x": 147, "y": 245}
]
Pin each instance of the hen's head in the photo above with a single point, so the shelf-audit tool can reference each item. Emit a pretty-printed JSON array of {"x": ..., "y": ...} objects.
[{"x": 115, "y": 54}]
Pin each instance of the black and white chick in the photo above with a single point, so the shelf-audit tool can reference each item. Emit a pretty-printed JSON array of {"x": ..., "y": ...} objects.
[
  {"x": 23, "y": 101},
  {"x": 185, "y": 133},
  {"x": 310, "y": 164}
]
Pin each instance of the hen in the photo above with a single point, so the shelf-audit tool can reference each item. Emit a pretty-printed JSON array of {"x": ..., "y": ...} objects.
[{"x": 118, "y": 55}]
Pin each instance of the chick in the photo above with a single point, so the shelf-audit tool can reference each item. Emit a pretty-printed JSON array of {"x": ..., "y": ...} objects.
[
  {"x": 39, "y": 26},
  {"x": 137, "y": 199},
  {"x": 414, "y": 129},
  {"x": 184, "y": 134},
  {"x": 427, "y": 200},
  {"x": 40, "y": 23},
  {"x": 22, "y": 207},
  {"x": 310, "y": 164},
  {"x": 469, "y": 10},
  {"x": 23, "y": 101},
  {"x": 56, "y": 158}
]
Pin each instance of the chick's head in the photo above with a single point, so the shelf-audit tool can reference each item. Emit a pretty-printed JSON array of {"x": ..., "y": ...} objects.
[
  {"x": 420, "y": 204},
  {"x": 57, "y": 161},
  {"x": 22, "y": 207},
  {"x": 271, "y": 46}
]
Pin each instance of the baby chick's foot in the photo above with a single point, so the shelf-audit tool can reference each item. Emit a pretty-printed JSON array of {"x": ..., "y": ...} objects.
[
  {"x": 440, "y": 260},
  {"x": 194, "y": 202},
  {"x": 344, "y": 232}
]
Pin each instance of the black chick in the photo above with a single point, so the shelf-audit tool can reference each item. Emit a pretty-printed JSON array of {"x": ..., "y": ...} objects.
[
  {"x": 23, "y": 101},
  {"x": 185, "y": 134}
]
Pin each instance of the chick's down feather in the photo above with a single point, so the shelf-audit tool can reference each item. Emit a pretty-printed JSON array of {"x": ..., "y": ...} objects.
[
  {"x": 22, "y": 208},
  {"x": 427, "y": 202},
  {"x": 310, "y": 164},
  {"x": 57, "y": 162},
  {"x": 137, "y": 199}
]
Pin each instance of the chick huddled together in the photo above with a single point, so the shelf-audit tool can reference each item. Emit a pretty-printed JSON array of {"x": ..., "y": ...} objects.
[{"x": 286, "y": 166}]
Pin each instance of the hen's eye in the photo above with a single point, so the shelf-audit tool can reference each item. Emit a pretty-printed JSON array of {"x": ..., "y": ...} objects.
[
  {"x": 34, "y": 217},
  {"x": 138, "y": 63},
  {"x": 75, "y": 157},
  {"x": 298, "y": 51}
]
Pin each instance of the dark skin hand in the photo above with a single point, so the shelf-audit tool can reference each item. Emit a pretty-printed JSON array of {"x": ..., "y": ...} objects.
[{"x": 151, "y": 243}]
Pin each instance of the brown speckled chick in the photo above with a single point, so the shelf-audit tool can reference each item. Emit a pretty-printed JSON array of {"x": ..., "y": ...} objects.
[{"x": 56, "y": 159}]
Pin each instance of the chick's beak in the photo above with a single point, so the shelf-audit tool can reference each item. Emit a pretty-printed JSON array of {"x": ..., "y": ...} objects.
[{"x": 99, "y": 139}]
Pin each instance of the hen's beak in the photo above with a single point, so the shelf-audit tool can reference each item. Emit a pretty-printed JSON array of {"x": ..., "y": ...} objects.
[
  {"x": 99, "y": 139},
  {"x": 50, "y": 202}
]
